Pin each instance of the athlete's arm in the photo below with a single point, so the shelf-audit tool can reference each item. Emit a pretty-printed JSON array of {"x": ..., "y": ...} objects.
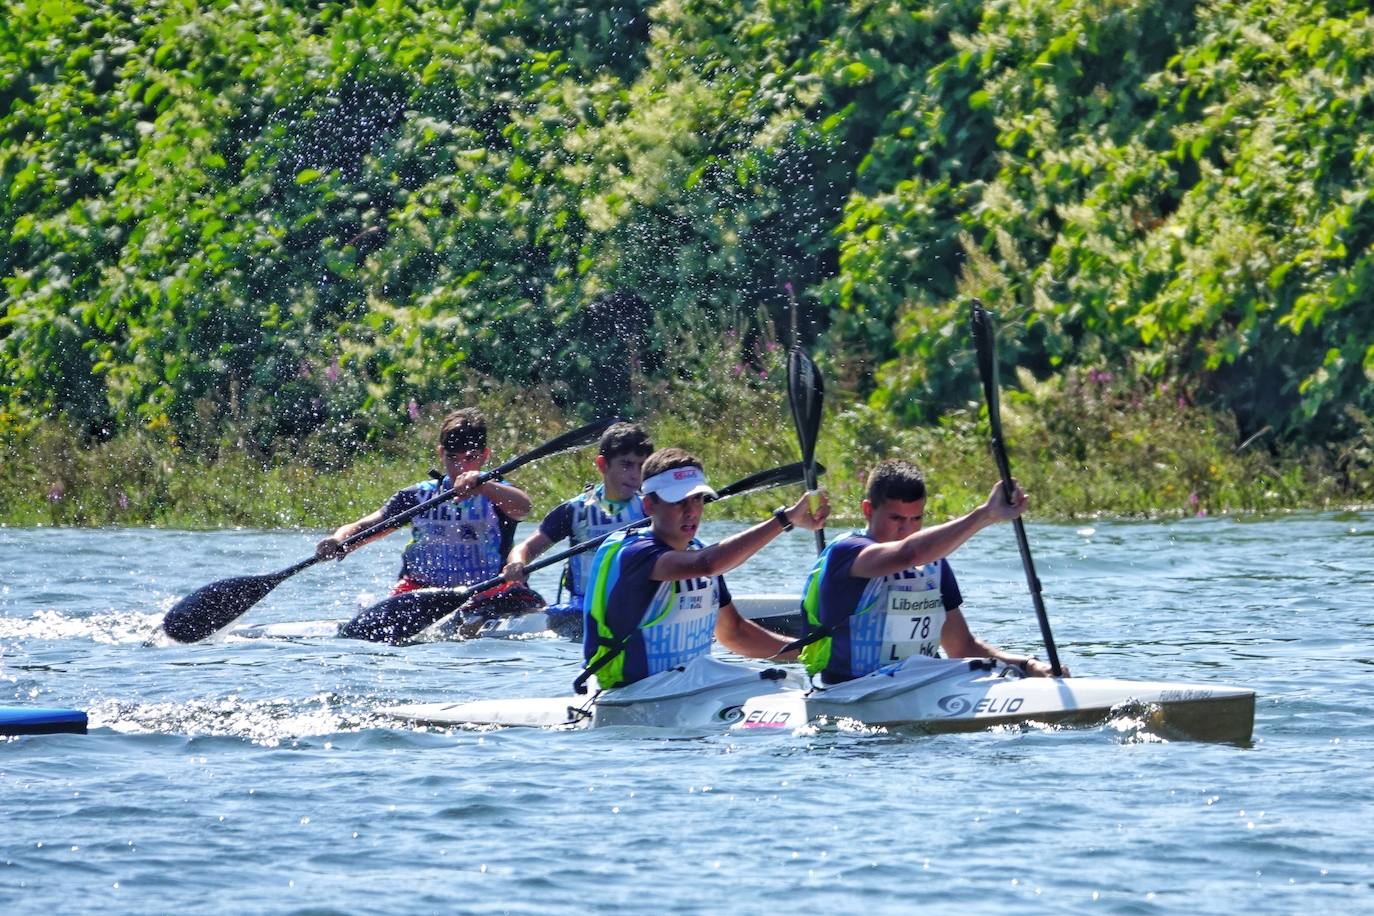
[
  {"x": 726, "y": 554},
  {"x": 332, "y": 547},
  {"x": 931, "y": 544},
  {"x": 513, "y": 501},
  {"x": 522, "y": 553},
  {"x": 958, "y": 642},
  {"x": 747, "y": 638}
]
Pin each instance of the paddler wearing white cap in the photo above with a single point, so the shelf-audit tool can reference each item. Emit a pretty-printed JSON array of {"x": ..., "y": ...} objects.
[{"x": 657, "y": 598}]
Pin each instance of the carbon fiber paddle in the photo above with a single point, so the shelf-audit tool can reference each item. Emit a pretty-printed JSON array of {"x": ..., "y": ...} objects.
[
  {"x": 984, "y": 341},
  {"x": 213, "y": 607}
]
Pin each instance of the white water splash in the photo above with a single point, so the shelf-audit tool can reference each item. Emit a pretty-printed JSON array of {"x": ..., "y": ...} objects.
[{"x": 114, "y": 628}]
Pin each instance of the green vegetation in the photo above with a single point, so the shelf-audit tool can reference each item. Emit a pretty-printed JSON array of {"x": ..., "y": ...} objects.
[
  {"x": 1096, "y": 447},
  {"x": 251, "y": 248}
]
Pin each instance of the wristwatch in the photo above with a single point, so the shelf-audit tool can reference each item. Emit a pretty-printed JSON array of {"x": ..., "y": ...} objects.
[{"x": 780, "y": 514}]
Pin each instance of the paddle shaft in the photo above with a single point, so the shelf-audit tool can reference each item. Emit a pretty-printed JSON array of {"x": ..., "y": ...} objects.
[
  {"x": 986, "y": 348},
  {"x": 763, "y": 480},
  {"x": 215, "y": 606},
  {"x": 1023, "y": 545}
]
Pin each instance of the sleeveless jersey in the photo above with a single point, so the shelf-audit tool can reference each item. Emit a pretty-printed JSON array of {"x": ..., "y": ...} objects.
[
  {"x": 452, "y": 543},
  {"x": 649, "y": 626},
  {"x": 870, "y": 623}
]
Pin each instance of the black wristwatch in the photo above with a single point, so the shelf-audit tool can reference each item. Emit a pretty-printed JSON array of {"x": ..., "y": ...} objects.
[{"x": 780, "y": 514}]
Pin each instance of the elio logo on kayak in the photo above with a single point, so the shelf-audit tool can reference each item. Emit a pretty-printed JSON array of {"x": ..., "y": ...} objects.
[
  {"x": 759, "y": 718},
  {"x": 957, "y": 705}
]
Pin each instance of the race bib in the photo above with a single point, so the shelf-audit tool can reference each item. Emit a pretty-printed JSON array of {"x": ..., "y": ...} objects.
[{"x": 914, "y": 621}]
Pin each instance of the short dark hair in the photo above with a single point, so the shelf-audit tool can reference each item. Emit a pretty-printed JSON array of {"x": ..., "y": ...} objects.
[
  {"x": 625, "y": 439},
  {"x": 897, "y": 480},
  {"x": 464, "y": 430},
  {"x": 665, "y": 459}
]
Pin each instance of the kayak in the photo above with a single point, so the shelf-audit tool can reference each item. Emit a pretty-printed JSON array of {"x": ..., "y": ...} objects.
[
  {"x": 38, "y": 720},
  {"x": 953, "y": 695},
  {"x": 928, "y": 695},
  {"x": 707, "y": 693},
  {"x": 777, "y": 612}
]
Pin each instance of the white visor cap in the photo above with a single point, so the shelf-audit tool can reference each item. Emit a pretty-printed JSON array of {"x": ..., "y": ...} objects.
[{"x": 676, "y": 484}]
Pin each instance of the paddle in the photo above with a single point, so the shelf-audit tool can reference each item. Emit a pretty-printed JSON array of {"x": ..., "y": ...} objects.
[
  {"x": 986, "y": 345},
  {"x": 213, "y": 607},
  {"x": 805, "y": 391},
  {"x": 401, "y": 617}
]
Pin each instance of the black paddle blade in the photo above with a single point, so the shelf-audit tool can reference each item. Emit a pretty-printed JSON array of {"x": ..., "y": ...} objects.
[
  {"x": 985, "y": 345},
  {"x": 805, "y": 393},
  {"x": 213, "y": 607},
  {"x": 573, "y": 438},
  {"x": 400, "y": 618}
]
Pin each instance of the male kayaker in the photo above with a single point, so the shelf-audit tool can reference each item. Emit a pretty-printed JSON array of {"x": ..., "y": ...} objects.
[
  {"x": 597, "y": 510},
  {"x": 881, "y": 595},
  {"x": 462, "y": 540},
  {"x": 656, "y": 598}
]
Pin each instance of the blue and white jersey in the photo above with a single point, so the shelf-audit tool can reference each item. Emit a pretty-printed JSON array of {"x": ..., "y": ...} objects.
[
  {"x": 453, "y": 543},
  {"x": 873, "y": 622},
  {"x": 586, "y": 516},
  {"x": 668, "y": 624}
]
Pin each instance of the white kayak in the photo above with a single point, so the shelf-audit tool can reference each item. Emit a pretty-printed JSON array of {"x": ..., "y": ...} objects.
[
  {"x": 951, "y": 695},
  {"x": 930, "y": 695},
  {"x": 779, "y": 612},
  {"x": 706, "y": 694}
]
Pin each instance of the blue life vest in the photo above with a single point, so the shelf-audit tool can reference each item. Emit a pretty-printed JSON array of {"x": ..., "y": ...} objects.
[
  {"x": 896, "y": 616},
  {"x": 676, "y": 626},
  {"x": 454, "y": 543}
]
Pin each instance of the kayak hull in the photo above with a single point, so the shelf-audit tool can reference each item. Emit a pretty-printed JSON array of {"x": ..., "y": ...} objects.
[
  {"x": 707, "y": 694},
  {"x": 34, "y": 720},
  {"x": 928, "y": 695},
  {"x": 962, "y": 695}
]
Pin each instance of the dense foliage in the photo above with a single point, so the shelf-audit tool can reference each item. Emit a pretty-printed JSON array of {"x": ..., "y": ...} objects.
[{"x": 304, "y": 220}]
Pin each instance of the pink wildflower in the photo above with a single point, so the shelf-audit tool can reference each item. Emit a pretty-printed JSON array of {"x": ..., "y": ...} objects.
[{"x": 413, "y": 410}]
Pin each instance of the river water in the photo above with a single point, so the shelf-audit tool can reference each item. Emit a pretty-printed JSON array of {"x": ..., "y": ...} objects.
[{"x": 254, "y": 774}]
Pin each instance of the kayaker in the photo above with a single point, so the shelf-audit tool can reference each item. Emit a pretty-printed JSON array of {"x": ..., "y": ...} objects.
[
  {"x": 597, "y": 510},
  {"x": 462, "y": 540},
  {"x": 656, "y": 598},
  {"x": 878, "y": 596}
]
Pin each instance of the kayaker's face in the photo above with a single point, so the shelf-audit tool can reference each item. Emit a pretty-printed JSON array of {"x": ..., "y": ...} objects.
[
  {"x": 622, "y": 474},
  {"x": 676, "y": 523},
  {"x": 460, "y": 461},
  {"x": 894, "y": 519}
]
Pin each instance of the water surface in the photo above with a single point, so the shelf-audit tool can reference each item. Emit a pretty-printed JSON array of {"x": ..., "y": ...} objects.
[{"x": 256, "y": 775}]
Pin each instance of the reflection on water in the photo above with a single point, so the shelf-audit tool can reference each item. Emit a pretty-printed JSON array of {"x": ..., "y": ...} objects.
[{"x": 257, "y": 773}]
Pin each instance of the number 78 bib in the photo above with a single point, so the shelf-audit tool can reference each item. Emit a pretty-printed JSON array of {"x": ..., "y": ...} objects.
[{"x": 915, "y": 618}]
